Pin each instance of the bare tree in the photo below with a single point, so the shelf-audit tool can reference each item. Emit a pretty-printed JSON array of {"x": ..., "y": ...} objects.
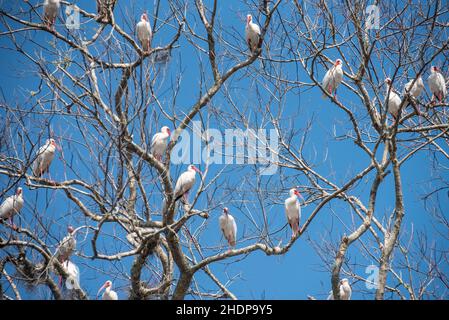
[{"x": 101, "y": 97}]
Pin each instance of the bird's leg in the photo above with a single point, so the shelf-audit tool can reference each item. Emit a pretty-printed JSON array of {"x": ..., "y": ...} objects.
[
  {"x": 50, "y": 180},
  {"x": 184, "y": 196},
  {"x": 335, "y": 95},
  {"x": 11, "y": 221},
  {"x": 395, "y": 117},
  {"x": 148, "y": 46}
]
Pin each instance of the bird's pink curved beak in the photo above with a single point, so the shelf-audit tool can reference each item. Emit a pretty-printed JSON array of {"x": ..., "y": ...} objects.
[
  {"x": 298, "y": 194},
  {"x": 197, "y": 170},
  {"x": 102, "y": 287},
  {"x": 56, "y": 146}
]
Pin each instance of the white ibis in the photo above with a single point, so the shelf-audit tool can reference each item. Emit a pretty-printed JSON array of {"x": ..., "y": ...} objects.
[
  {"x": 73, "y": 279},
  {"x": 437, "y": 84},
  {"x": 345, "y": 291},
  {"x": 228, "y": 227},
  {"x": 44, "y": 157},
  {"x": 11, "y": 206},
  {"x": 333, "y": 78},
  {"x": 252, "y": 33},
  {"x": 415, "y": 90},
  {"x": 144, "y": 33},
  {"x": 108, "y": 293},
  {"x": 293, "y": 211},
  {"x": 159, "y": 142},
  {"x": 51, "y": 9},
  {"x": 394, "y": 101},
  {"x": 185, "y": 182},
  {"x": 67, "y": 246}
]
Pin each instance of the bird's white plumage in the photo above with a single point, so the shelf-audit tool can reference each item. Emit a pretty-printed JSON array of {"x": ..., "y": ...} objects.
[
  {"x": 437, "y": 84},
  {"x": 293, "y": 211},
  {"x": 333, "y": 78},
  {"x": 73, "y": 279},
  {"x": 229, "y": 228},
  {"x": 12, "y": 205},
  {"x": 185, "y": 182},
  {"x": 108, "y": 293},
  {"x": 44, "y": 157},
  {"x": 51, "y": 8},
  {"x": 392, "y": 98},
  {"x": 159, "y": 142},
  {"x": 416, "y": 89},
  {"x": 66, "y": 247},
  {"x": 345, "y": 291},
  {"x": 252, "y": 33},
  {"x": 144, "y": 33}
]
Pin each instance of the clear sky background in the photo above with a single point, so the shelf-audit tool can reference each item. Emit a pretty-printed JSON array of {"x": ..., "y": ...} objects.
[{"x": 301, "y": 271}]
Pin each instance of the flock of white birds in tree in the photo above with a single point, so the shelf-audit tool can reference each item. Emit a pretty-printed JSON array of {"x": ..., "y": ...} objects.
[
  {"x": 332, "y": 79},
  {"x": 412, "y": 89}
]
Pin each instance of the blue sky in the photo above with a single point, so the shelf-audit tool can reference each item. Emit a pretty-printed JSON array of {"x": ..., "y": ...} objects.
[{"x": 301, "y": 271}]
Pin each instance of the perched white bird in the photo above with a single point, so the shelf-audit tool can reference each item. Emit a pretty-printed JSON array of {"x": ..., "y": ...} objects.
[
  {"x": 293, "y": 211},
  {"x": 108, "y": 293},
  {"x": 228, "y": 227},
  {"x": 144, "y": 33},
  {"x": 437, "y": 84},
  {"x": 415, "y": 90},
  {"x": 51, "y": 9},
  {"x": 44, "y": 157},
  {"x": 67, "y": 246},
  {"x": 159, "y": 142},
  {"x": 185, "y": 182},
  {"x": 73, "y": 279},
  {"x": 333, "y": 78},
  {"x": 252, "y": 32},
  {"x": 394, "y": 101},
  {"x": 11, "y": 206},
  {"x": 345, "y": 291}
]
